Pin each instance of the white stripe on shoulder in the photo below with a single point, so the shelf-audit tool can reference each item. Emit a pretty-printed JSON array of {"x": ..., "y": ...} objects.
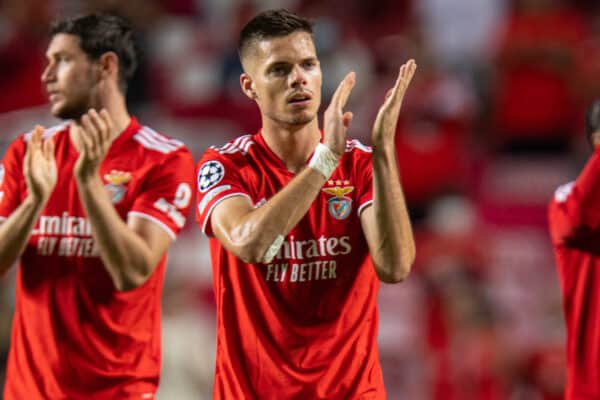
[
  {"x": 162, "y": 138},
  {"x": 352, "y": 144},
  {"x": 49, "y": 132},
  {"x": 562, "y": 193},
  {"x": 241, "y": 144},
  {"x": 155, "y": 141}
]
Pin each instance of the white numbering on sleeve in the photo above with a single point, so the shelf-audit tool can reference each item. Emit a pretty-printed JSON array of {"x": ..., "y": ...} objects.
[{"x": 183, "y": 196}]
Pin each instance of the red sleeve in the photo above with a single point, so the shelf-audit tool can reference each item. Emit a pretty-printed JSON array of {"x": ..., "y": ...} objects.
[
  {"x": 166, "y": 195},
  {"x": 11, "y": 176},
  {"x": 574, "y": 212},
  {"x": 364, "y": 170},
  {"x": 218, "y": 178}
]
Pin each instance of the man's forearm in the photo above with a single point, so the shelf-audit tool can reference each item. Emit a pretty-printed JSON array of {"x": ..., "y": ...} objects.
[
  {"x": 256, "y": 231},
  {"x": 16, "y": 230},
  {"x": 125, "y": 255},
  {"x": 394, "y": 250}
]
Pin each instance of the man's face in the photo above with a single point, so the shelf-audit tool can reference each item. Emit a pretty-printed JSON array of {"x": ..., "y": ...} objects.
[
  {"x": 70, "y": 78},
  {"x": 285, "y": 77}
]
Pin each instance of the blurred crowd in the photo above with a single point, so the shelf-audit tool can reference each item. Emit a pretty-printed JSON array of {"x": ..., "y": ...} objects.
[{"x": 492, "y": 124}]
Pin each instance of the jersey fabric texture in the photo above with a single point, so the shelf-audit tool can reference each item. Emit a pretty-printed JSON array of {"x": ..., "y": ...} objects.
[
  {"x": 303, "y": 326},
  {"x": 74, "y": 336},
  {"x": 574, "y": 219}
]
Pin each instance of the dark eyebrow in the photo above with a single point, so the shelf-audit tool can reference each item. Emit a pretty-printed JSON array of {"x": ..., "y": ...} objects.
[{"x": 277, "y": 64}]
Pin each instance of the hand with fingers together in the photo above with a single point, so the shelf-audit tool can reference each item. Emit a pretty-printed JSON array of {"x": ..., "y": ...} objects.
[
  {"x": 93, "y": 137},
  {"x": 335, "y": 120},
  {"x": 39, "y": 166},
  {"x": 384, "y": 128}
]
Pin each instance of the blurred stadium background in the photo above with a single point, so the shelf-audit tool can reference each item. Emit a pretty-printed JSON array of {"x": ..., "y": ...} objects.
[{"x": 492, "y": 124}]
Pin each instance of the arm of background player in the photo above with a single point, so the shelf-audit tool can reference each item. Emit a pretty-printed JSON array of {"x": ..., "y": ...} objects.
[
  {"x": 15, "y": 231},
  {"x": 39, "y": 170},
  {"x": 386, "y": 223},
  {"x": 248, "y": 232},
  {"x": 575, "y": 210},
  {"x": 130, "y": 251}
]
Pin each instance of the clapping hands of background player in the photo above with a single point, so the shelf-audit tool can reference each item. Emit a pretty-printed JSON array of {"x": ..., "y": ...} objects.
[
  {"x": 93, "y": 136},
  {"x": 39, "y": 165}
]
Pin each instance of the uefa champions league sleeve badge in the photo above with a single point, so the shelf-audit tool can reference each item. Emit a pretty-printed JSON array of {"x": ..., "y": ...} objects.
[{"x": 209, "y": 175}]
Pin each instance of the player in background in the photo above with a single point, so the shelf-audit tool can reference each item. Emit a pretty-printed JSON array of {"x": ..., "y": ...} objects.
[
  {"x": 574, "y": 220},
  {"x": 89, "y": 208},
  {"x": 301, "y": 222}
]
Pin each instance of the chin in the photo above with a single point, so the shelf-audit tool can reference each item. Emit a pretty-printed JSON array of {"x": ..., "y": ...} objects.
[
  {"x": 66, "y": 112},
  {"x": 302, "y": 119}
]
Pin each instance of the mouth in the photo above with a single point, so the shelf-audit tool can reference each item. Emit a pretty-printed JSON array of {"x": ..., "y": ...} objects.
[
  {"x": 299, "y": 98},
  {"x": 53, "y": 95}
]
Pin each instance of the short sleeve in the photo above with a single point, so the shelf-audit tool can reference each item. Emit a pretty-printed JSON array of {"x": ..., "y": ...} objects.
[
  {"x": 166, "y": 194},
  {"x": 218, "y": 178},
  {"x": 364, "y": 179},
  {"x": 11, "y": 177}
]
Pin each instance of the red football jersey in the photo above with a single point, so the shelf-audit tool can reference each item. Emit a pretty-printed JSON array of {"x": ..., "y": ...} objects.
[
  {"x": 305, "y": 325},
  {"x": 574, "y": 219},
  {"x": 74, "y": 336}
]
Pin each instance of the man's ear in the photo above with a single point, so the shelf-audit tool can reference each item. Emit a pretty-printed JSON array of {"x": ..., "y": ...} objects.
[
  {"x": 247, "y": 85},
  {"x": 109, "y": 65}
]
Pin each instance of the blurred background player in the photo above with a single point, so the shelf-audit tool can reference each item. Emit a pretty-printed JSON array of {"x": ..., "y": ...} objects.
[
  {"x": 90, "y": 208},
  {"x": 575, "y": 229},
  {"x": 302, "y": 222}
]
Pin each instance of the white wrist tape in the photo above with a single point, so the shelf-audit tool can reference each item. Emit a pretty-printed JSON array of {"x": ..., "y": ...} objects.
[
  {"x": 273, "y": 249},
  {"x": 324, "y": 160}
]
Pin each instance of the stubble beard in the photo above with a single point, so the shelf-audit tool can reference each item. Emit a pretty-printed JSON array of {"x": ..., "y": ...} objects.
[
  {"x": 295, "y": 120},
  {"x": 74, "y": 109}
]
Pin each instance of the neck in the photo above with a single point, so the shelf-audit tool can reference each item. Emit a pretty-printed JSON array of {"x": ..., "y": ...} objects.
[
  {"x": 293, "y": 144},
  {"x": 115, "y": 105},
  {"x": 119, "y": 114}
]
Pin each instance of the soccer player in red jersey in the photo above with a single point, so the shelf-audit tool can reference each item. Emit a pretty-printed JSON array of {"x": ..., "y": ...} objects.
[
  {"x": 575, "y": 232},
  {"x": 302, "y": 223},
  {"x": 90, "y": 208}
]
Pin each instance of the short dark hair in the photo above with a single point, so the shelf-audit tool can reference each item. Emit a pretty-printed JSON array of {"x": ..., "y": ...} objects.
[
  {"x": 592, "y": 120},
  {"x": 100, "y": 33},
  {"x": 270, "y": 24}
]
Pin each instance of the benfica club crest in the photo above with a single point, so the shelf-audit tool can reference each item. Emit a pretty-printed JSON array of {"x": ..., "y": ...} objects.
[
  {"x": 339, "y": 206},
  {"x": 116, "y": 184}
]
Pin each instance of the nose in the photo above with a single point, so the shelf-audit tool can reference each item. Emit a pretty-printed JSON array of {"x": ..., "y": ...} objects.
[
  {"x": 297, "y": 76},
  {"x": 48, "y": 74}
]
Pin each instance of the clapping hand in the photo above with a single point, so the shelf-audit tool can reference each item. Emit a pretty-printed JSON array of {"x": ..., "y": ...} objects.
[
  {"x": 92, "y": 138},
  {"x": 39, "y": 165},
  {"x": 384, "y": 128}
]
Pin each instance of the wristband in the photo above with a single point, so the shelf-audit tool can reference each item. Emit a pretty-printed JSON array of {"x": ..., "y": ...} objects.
[
  {"x": 273, "y": 249},
  {"x": 324, "y": 160}
]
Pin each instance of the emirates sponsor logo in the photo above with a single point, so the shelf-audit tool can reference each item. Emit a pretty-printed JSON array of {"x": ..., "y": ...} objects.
[
  {"x": 313, "y": 248},
  {"x": 65, "y": 235},
  {"x": 307, "y": 260},
  {"x": 64, "y": 224}
]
